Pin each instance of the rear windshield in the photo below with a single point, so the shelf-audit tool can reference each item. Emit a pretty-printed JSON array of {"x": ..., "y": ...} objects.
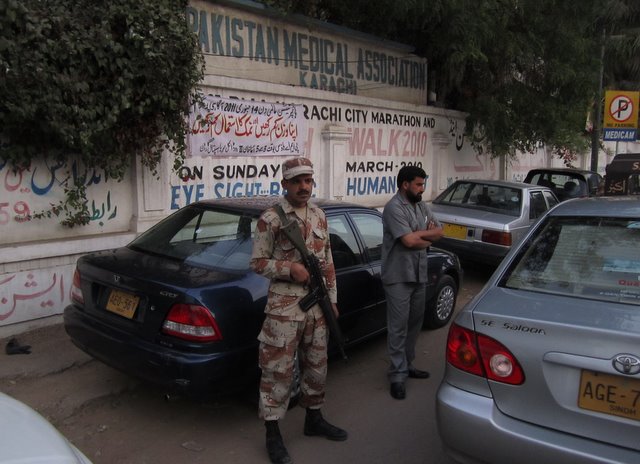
[
  {"x": 564, "y": 184},
  {"x": 592, "y": 258},
  {"x": 498, "y": 199},
  {"x": 212, "y": 239}
]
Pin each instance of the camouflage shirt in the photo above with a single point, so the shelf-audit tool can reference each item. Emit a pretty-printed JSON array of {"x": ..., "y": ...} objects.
[{"x": 273, "y": 253}]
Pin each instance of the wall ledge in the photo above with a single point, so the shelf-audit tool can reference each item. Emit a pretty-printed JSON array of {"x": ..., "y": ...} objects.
[{"x": 63, "y": 247}]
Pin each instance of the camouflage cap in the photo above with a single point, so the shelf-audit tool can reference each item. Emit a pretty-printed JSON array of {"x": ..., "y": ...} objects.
[{"x": 295, "y": 167}]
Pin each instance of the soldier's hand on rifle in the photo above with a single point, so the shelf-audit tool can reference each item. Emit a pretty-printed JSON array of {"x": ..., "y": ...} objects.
[
  {"x": 299, "y": 273},
  {"x": 335, "y": 309}
]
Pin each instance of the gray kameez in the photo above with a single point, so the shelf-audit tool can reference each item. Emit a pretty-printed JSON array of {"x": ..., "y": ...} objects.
[{"x": 404, "y": 277}]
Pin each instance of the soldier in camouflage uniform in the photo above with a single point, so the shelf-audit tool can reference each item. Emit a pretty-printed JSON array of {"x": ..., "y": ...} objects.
[{"x": 287, "y": 328}]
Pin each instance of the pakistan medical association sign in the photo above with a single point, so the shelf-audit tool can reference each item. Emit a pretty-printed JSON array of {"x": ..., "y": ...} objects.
[{"x": 620, "y": 116}]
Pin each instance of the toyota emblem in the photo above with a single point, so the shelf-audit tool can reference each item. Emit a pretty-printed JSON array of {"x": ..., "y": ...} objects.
[
  {"x": 116, "y": 278},
  {"x": 627, "y": 364}
]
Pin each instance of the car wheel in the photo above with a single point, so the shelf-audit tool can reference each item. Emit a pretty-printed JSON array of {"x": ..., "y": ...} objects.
[{"x": 439, "y": 309}]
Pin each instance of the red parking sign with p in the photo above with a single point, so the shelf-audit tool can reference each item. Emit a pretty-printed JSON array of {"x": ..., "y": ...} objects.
[
  {"x": 621, "y": 108},
  {"x": 620, "y": 115}
]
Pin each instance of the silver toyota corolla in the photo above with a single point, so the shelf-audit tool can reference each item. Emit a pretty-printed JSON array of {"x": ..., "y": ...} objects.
[{"x": 543, "y": 365}]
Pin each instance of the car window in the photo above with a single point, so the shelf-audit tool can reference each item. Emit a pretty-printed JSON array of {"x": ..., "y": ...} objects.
[
  {"x": 370, "y": 228},
  {"x": 567, "y": 185},
  {"x": 211, "y": 226},
  {"x": 538, "y": 178},
  {"x": 456, "y": 194},
  {"x": 201, "y": 237},
  {"x": 537, "y": 205},
  {"x": 560, "y": 179},
  {"x": 551, "y": 199},
  {"x": 344, "y": 246},
  {"x": 495, "y": 198},
  {"x": 533, "y": 178},
  {"x": 591, "y": 258}
]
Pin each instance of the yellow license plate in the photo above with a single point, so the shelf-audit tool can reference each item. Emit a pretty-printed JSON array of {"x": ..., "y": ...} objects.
[
  {"x": 454, "y": 231},
  {"x": 610, "y": 394},
  {"x": 122, "y": 303}
]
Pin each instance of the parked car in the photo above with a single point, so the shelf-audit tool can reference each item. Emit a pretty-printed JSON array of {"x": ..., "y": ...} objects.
[
  {"x": 566, "y": 183},
  {"x": 180, "y": 307},
  {"x": 27, "y": 437},
  {"x": 623, "y": 175},
  {"x": 543, "y": 365},
  {"x": 483, "y": 219}
]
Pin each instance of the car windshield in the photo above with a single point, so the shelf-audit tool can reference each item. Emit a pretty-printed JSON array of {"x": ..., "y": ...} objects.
[
  {"x": 201, "y": 237},
  {"x": 495, "y": 198},
  {"x": 594, "y": 258}
]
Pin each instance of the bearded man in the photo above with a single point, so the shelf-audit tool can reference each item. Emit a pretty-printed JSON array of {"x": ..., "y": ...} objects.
[{"x": 409, "y": 228}]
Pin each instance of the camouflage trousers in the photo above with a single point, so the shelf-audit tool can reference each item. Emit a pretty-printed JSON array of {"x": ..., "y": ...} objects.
[{"x": 280, "y": 339}]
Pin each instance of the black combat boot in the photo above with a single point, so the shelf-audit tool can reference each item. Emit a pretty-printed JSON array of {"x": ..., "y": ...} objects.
[
  {"x": 315, "y": 424},
  {"x": 275, "y": 446}
]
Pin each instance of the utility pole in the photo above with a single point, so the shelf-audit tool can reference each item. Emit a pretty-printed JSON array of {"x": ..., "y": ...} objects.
[{"x": 597, "y": 108}]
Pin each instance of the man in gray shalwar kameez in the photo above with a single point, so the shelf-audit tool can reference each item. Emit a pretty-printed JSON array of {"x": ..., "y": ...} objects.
[{"x": 409, "y": 228}]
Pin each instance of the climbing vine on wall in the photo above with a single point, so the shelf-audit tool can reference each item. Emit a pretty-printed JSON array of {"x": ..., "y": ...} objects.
[{"x": 101, "y": 82}]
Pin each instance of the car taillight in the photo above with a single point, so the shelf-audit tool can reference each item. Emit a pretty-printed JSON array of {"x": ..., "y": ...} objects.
[
  {"x": 483, "y": 356},
  {"x": 497, "y": 237},
  {"x": 191, "y": 322},
  {"x": 76, "y": 289}
]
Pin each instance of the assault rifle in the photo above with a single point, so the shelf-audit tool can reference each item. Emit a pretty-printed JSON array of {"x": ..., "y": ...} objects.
[{"x": 318, "y": 293}]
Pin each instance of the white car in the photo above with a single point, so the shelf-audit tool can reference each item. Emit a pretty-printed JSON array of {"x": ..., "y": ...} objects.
[{"x": 27, "y": 437}]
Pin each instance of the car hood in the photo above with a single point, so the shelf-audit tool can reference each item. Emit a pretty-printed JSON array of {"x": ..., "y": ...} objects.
[{"x": 28, "y": 438}]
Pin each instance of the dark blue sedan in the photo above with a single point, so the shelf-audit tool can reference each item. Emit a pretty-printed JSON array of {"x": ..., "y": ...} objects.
[{"x": 180, "y": 307}]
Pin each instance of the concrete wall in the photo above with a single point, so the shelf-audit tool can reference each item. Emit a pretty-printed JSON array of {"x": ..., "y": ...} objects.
[{"x": 357, "y": 136}]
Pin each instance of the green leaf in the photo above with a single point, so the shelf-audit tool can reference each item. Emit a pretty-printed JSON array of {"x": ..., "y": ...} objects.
[{"x": 74, "y": 76}]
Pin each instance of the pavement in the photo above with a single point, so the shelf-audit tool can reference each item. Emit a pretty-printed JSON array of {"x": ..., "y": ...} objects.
[
  {"x": 51, "y": 352},
  {"x": 56, "y": 378}
]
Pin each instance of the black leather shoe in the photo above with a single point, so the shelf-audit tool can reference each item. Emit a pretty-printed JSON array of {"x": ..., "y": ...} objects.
[
  {"x": 418, "y": 374},
  {"x": 316, "y": 425},
  {"x": 398, "y": 391}
]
